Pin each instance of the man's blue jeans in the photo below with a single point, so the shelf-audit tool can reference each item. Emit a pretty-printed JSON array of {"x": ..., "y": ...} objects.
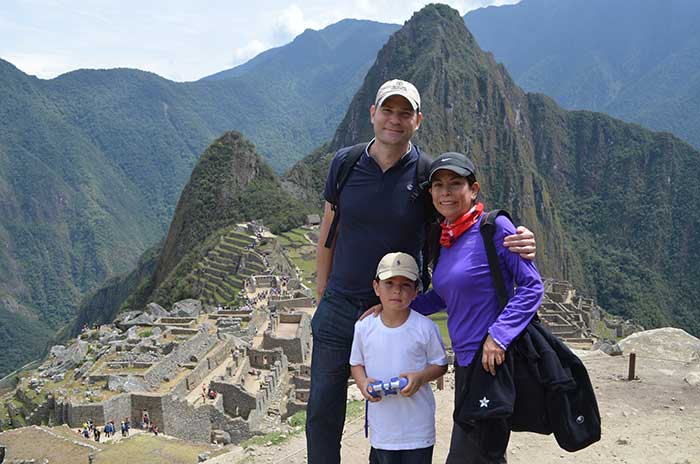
[{"x": 333, "y": 326}]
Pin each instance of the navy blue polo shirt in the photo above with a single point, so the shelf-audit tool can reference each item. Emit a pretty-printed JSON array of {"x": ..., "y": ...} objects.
[{"x": 377, "y": 216}]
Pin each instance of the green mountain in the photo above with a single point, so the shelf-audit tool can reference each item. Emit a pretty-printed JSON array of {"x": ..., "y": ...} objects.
[
  {"x": 230, "y": 184},
  {"x": 92, "y": 162},
  {"x": 639, "y": 61},
  {"x": 614, "y": 206}
]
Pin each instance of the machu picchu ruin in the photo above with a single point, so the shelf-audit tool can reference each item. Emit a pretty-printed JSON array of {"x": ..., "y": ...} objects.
[
  {"x": 232, "y": 361},
  {"x": 222, "y": 367}
]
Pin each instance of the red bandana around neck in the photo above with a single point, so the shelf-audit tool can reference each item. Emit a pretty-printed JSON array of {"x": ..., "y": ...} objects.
[{"x": 452, "y": 231}]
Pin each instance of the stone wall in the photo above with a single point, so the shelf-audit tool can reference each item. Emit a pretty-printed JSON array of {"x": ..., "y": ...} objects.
[
  {"x": 265, "y": 359},
  {"x": 237, "y": 401},
  {"x": 296, "y": 349},
  {"x": 294, "y": 406},
  {"x": 203, "y": 368},
  {"x": 301, "y": 382},
  {"x": 292, "y": 303},
  {"x": 240, "y": 402},
  {"x": 147, "y": 402},
  {"x": 172, "y": 416},
  {"x": 237, "y": 427},
  {"x": 197, "y": 346},
  {"x": 81, "y": 413},
  {"x": 182, "y": 420},
  {"x": 265, "y": 281},
  {"x": 117, "y": 408}
]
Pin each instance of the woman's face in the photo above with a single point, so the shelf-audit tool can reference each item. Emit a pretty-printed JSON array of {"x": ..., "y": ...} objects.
[{"x": 452, "y": 195}]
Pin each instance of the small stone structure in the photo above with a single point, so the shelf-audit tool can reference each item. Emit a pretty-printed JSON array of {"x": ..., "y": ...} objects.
[{"x": 292, "y": 333}]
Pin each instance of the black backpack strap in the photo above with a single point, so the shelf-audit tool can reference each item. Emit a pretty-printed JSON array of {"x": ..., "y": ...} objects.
[
  {"x": 349, "y": 162},
  {"x": 420, "y": 191},
  {"x": 420, "y": 180},
  {"x": 488, "y": 230}
]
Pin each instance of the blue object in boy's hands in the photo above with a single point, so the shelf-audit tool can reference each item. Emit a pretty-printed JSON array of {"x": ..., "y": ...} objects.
[{"x": 392, "y": 387}]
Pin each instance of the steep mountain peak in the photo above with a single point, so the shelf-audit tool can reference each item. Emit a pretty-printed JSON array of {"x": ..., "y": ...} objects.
[
  {"x": 435, "y": 51},
  {"x": 230, "y": 183},
  {"x": 225, "y": 168}
]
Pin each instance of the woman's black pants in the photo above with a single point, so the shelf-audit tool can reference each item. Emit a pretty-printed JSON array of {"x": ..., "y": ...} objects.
[{"x": 470, "y": 442}]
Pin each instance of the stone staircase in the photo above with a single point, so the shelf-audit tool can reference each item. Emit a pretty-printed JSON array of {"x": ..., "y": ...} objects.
[{"x": 567, "y": 315}]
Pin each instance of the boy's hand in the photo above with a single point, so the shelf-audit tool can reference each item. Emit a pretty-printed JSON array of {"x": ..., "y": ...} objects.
[
  {"x": 523, "y": 243},
  {"x": 415, "y": 381},
  {"x": 363, "y": 389},
  {"x": 376, "y": 309}
]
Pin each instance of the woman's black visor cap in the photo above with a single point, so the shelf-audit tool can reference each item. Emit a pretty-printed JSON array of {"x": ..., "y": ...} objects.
[{"x": 455, "y": 162}]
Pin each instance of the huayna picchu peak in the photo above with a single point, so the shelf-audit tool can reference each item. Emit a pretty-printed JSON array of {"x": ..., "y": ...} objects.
[{"x": 580, "y": 180}]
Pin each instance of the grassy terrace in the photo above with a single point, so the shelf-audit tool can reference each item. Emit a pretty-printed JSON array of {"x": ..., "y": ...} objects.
[
  {"x": 224, "y": 257},
  {"x": 61, "y": 445},
  {"x": 441, "y": 320},
  {"x": 301, "y": 252}
]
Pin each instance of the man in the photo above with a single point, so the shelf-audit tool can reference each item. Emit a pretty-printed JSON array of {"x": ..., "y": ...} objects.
[{"x": 379, "y": 214}]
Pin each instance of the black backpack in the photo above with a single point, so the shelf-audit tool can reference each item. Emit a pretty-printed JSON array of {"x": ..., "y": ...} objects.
[{"x": 420, "y": 182}]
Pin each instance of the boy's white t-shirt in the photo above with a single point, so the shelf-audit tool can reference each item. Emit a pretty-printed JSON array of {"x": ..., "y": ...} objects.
[{"x": 397, "y": 422}]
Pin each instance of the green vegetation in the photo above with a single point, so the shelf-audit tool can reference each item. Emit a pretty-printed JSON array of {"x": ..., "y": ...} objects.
[
  {"x": 230, "y": 184},
  {"x": 301, "y": 252},
  {"x": 22, "y": 339},
  {"x": 92, "y": 162},
  {"x": 646, "y": 77},
  {"x": 441, "y": 320}
]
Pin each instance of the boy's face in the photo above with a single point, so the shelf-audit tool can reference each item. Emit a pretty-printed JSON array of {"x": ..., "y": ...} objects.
[{"x": 395, "y": 293}]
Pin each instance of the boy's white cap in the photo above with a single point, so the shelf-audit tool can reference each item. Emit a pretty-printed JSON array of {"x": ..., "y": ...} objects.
[{"x": 397, "y": 264}]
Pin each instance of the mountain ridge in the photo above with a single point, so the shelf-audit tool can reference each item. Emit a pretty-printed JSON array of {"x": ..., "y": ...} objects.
[
  {"x": 92, "y": 164},
  {"x": 639, "y": 63},
  {"x": 540, "y": 162}
]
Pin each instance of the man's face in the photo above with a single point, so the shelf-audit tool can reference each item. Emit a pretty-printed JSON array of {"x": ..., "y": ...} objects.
[{"x": 395, "y": 121}]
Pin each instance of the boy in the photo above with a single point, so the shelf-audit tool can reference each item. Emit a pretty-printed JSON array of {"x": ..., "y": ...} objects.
[{"x": 399, "y": 343}]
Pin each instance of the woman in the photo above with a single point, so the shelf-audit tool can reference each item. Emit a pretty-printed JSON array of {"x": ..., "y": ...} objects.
[{"x": 462, "y": 286}]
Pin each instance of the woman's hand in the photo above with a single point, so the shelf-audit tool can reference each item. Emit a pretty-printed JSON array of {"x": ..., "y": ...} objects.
[
  {"x": 376, "y": 309},
  {"x": 523, "y": 243},
  {"x": 493, "y": 355}
]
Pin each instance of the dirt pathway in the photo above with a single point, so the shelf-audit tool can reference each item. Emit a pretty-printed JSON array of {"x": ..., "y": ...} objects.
[{"x": 651, "y": 420}]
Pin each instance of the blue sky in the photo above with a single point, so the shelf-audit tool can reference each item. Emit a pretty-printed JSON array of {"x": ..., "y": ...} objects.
[{"x": 177, "y": 39}]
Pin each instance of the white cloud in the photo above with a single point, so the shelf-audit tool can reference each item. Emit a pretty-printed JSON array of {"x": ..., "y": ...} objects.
[
  {"x": 248, "y": 51},
  {"x": 291, "y": 21}
]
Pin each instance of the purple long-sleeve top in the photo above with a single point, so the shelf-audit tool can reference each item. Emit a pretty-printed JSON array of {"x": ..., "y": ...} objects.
[{"x": 462, "y": 285}]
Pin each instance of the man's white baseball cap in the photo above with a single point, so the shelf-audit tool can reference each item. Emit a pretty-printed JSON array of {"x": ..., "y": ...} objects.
[{"x": 398, "y": 87}]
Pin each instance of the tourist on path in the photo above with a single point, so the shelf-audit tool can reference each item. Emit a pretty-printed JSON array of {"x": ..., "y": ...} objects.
[{"x": 377, "y": 217}]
